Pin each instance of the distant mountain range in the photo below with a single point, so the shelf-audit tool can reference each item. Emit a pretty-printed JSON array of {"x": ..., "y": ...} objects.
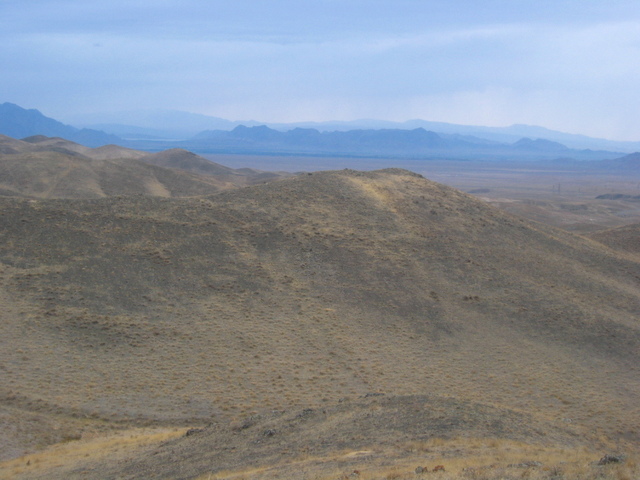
[
  {"x": 153, "y": 124},
  {"x": 416, "y": 143},
  {"x": 18, "y": 122},
  {"x": 415, "y": 139},
  {"x": 171, "y": 124}
]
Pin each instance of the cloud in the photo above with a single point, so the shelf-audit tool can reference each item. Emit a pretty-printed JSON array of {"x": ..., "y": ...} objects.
[{"x": 549, "y": 63}]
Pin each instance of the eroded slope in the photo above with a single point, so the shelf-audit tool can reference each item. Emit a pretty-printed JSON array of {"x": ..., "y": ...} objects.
[{"x": 310, "y": 290}]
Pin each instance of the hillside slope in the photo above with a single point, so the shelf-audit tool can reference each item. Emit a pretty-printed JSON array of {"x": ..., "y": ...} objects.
[
  {"x": 624, "y": 239},
  {"x": 368, "y": 435},
  {"x": 49, "y": 174},
  {"x": 184, "y": 160},
  {"x": 309, "y": 290},
  {"x": 45, "y": 167}
]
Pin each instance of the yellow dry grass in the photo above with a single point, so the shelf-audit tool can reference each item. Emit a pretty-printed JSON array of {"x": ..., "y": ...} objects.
[
  {"x": 462, "y": 458},
  {"x": 381, "y": 193},
  {"x": 89, "y": 448}
]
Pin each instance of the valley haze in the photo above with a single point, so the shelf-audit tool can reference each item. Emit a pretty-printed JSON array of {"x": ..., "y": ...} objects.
[{"x": 412, "y": 141}]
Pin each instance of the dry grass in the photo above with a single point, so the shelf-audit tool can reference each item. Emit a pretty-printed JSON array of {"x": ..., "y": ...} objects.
[
  {"x": 303, "y": 293},
  {"x": 462, "y": 458},
  {"x": 91, "y": 448},
  {"x": 57, "y": 168}
]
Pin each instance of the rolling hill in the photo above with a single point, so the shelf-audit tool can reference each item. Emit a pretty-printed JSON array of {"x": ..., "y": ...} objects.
[
  {"x": 57, "y": 175},
  {"x": 42, "y": 143},
  {"x": 623, "y": 239},
  {"x": 336, "y": 442},
  {"x": 53, "y": 167},
  {"x": 303, "y": 293}
]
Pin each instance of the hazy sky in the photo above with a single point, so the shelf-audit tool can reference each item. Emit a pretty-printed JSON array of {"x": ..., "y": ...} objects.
[{"x": 570, "y": 65}]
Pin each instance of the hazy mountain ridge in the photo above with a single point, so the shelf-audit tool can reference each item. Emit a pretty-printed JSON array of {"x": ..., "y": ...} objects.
[
  {"x": 391, "y": 143},
  {"x": 18, "y": 122},
  {"x": 170, "y": 124},
  {"x": 249, "y": 137},
  {"x": 630, "y": 163},
  {"x": 157, "y": 123}
]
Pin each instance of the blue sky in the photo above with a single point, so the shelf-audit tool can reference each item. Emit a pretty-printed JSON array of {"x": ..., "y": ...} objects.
[{"x": 570, "y": 65}]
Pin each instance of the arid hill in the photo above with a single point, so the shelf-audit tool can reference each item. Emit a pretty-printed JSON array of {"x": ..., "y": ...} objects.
[
  {"x": 9, "y": 145},
  {"x": 190, "y": 162},
  {"x": 303, "y": 292},
  {"x": 361, "y": 436},
  {"x": 58, "y": 175},
  {"x": 624, "y": 239},
  {"x": 43, "y": 167},
  {"x": 113, "y": 152},
  {"x": 42, "y": 143},
  {"x": 185, "y": 160}
]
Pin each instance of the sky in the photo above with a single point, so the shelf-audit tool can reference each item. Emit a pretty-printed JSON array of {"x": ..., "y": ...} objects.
[{"x": 568, "y": 65}]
